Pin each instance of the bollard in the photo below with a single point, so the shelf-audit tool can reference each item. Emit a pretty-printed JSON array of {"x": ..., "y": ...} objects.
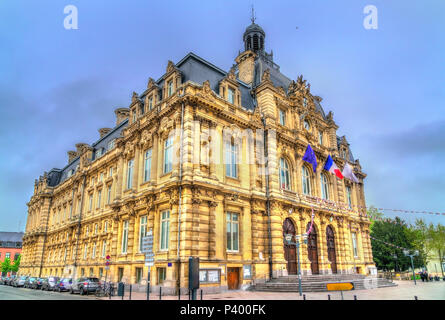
[
  {"x": 415, "y": 298},
  {"x": 160, "y": 293},
  {"x": 355, "y": 297},
  {"x": 179, "y": 294},
  {"x": 329, "y": 297},
  {"x": 201, "y": 294},
  {"x": 130, "y": 292},
  {"x": 189, "y": 294},
  {"x": 304, "y": 297}
]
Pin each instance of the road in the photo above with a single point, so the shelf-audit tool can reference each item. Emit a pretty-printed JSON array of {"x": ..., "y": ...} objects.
[{"x": 11, "y": 293}]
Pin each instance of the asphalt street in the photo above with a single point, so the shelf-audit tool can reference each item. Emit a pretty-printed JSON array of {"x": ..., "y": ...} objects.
[{"x": 11, "y": 293}]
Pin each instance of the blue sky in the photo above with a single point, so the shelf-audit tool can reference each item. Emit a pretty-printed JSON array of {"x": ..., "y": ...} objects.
[{"x": 386, "y": 87}]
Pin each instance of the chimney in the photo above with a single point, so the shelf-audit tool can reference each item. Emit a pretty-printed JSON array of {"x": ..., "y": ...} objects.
[
  {"x": 121, "y": 114},
  {"x": 71, "y": 156},
  {"x": 104, "y": 131},
  {"x": 80, "y": 147}
]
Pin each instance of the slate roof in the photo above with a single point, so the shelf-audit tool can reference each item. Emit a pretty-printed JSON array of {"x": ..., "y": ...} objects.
[{"x": 11, "y": 236}]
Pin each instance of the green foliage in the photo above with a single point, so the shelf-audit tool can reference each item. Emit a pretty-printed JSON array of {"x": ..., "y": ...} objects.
[
  {"x": 436, "y": 241},
  {"x": 16, "y": 265},
  {"x": 6, "y": 265},
  {"x": 374, "y": 215}
]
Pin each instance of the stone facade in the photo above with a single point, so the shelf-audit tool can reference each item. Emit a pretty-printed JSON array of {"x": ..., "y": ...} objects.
[{"x": 97, "y": 211}]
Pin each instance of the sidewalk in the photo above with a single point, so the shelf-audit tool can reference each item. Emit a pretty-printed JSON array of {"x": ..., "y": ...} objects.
[{"x": 405, "y": 290}]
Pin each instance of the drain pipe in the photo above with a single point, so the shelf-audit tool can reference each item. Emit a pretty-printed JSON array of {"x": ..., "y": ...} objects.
[
  {"x": 266, "y": 153},
  {"x": 181, "y": 149},
  {"x": 79, "y": 224}
]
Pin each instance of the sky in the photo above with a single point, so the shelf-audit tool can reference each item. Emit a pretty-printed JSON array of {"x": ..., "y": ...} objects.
[{"x": 385, "y": 86}]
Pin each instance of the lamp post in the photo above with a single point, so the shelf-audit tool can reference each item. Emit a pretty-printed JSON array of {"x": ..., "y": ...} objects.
[
  {"x": 416, "y": 253},
  {"x": 288, "y": 238}
]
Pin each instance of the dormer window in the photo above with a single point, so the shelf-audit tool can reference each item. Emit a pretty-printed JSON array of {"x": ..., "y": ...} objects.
[
  {"x": 150, "y": 103},
  {"x": 231, "y": 96},
  {"x": 169, "y": 88},
  {"x": 142, "y": 109},
  {"x": 134, "y": 116}
]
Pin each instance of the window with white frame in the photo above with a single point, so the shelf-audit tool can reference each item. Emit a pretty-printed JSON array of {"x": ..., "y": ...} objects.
[
  {"x": 150, "y": 103},
  {"x": 93, "y": 255},
  {"x": 104, "y": 248},
  {"x": 354, "y": 244},
  {"x": 90, "y": 207},
  {"x": 111, "y": 144},
  {"x": 349, "y": 196},
  {"x": 231, "y": 95},
  {"x": 125, "y": 236},
  {"x": 306, "y": 180},
  {"x": 168, "y": 154},
  {"x": 95, "y": 228},
  {"x": 109, "y": 194},
  {"x": 165, "y": 230},
  {"x": 147, "y": 165},
  {"x": 142, "y": 231},
  {"x": 324, "y": 187},
  {"x": 169, "y": 88},
  {"x": 282, "y": 117},
  {"x": 99, "y": 198},
  {"x": 85, "y": 251},
  {"x": 307, "y": 125},
  {"x": 106, "y": 226},
  {"x": 130, "y": 174},
  {"x": 320, "y": 138},
  {"x": 232, "y": 231},
  {"x": 231, "y": 159},
  {"x": 110, "y": 174},
  {"x": 284, "y": 174}
]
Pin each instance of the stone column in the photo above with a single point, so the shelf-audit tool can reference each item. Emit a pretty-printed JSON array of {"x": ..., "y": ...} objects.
[{"x": 212, "y": 229}]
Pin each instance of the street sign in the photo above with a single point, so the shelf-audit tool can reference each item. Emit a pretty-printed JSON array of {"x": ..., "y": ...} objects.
[{"x": 340, "y": 286}]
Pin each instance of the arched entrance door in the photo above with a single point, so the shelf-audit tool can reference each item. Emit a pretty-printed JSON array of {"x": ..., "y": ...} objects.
[
  {"x": 312, "y": 249},
  {"x": 331, "y": 248},
  {"x": 290, "y": 252}
]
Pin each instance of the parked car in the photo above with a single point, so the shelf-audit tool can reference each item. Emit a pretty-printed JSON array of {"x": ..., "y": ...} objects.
[
  {"x": 38, "y": 283},
  {"x": 63, "y": 285},
  {"x": 84, "y": 285},
  {"x": 50, "y": 283},
  {"x": 10, "y": 280},
  {"x": 29, "y": 281},
  {"x": 3, "y": 279},
  {"x": 19, "y": 281}
]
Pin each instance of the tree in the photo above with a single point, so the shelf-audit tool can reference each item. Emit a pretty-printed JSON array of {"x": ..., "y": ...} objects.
[
  {"x": 395, "y": 232},
  {"x": 374, "y": 215},
  {"x": 6, "y": 265},
  {"x": 436, "y": 239},
  {"x": 16, "y": 265},
  {"x": 418, "y": 235}
]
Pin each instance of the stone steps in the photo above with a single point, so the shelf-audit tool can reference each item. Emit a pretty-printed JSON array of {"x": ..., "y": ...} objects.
[{"x": 318, "y": 283}]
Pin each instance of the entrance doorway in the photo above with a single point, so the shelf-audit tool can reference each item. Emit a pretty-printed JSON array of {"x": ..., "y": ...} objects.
[
  {"x": 233, "y": 278},
  {"x": 290, "y": 249},
  {"x": 312, "y": 250},
  {"x": 331, "y": 248}
]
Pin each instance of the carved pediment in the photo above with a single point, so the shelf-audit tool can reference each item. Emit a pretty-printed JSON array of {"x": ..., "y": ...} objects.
[{"x": 151, "y": 83}]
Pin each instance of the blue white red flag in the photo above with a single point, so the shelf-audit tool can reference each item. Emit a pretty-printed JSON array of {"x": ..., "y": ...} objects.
[{"x": 332, "y": 167}]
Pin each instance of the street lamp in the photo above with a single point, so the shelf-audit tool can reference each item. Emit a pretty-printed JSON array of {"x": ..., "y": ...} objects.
[
  {"x": 288, "y": 238},
  {"x": 416, "y": 253}
]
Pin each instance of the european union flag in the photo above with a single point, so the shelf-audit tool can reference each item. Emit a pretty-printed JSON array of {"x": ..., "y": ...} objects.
[{"x": 309, "y": 156}]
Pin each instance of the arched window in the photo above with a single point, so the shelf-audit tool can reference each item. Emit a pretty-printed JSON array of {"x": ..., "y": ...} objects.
[
  {"x": 324, "y": 187},
  {"x": 255, "y": 42},
  {"x": 349, "y": 196},
  {"x": 284, "y": 175},
  {"x": 249, "y": 43},
  {"x": 306, "y": 181},
  {"x": 307, "y": 125}
]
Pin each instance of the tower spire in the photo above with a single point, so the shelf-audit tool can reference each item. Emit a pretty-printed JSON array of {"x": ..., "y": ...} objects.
[{"x": 253, "y": 15}]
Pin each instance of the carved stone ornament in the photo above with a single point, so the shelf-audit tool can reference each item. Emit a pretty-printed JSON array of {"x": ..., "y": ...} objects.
[
  {"x": 151, "y": 83},
  {"x": 149, "y": 201},
  {"x": 130, "y": 207},
  {"x": 170, "y": 66},
  {"x": 213, "y": 204},
  {"x": 146, "y": 139},
  {"x": 174, "y": 197},
  {"x": 231, "y": 75},
  {"x": 206, "y": 87},
  {"x": 129, "y": 149},
  {"x": 266, "y": 76},
  {"x": 134, "y": 97}
]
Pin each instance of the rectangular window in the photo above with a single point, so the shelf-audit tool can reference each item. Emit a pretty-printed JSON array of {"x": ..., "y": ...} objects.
[
  {"x": 101, "y": 177},
  {"x": 161, "y": 275},
  {"x": 147, "y": 165},
  {"x": 282, "y": 118},
  {"x": 142, "y": 231},
  {"x": 170, "y": 88},
  {"x": 7, "y": 255},
  {"x": 165, "y": 229},
  {"x": 85, "y": 252},
  {"x": 98, "y": 154},
  {"x": 99, "y": 198},
  {"x": 231, "y": 160},
  {"x": 150, "y": 103},
  {"x": 104, "y": 248},
  {"x": 349, "y": 196},
  {"x": 95, "y": 228},
  {"x": 106, "y": 226},
  {"x": 110, "y": 174},
  {"x": 320, "y": 138},
  {"x": 354, "y": 244},
  {"x": 101, "y": 272},
  {"x": 125, "y": 236},
  {"x": 232, "y": 231},
  {"x": 94, "y": 251},
  {"x": 130, "y": 174},
  {"x": 91, "y": 202},
  {"x": 231, "y": 95},
  {"x": 109, "y": 194},
  {"x": 139, "y": 275},
  {"x": 168, "y": 154},
  {"x": 79, "y": 206}
]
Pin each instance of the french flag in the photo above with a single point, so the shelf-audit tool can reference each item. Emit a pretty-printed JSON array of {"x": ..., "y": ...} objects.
[{"x": 332, "y": 167}]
